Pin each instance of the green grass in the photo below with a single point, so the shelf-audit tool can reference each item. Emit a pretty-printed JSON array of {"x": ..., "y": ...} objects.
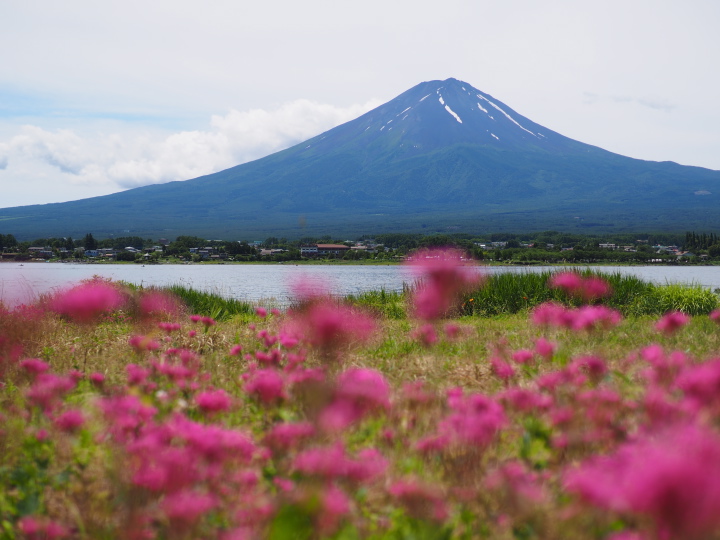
[
  {"x": 517, "y": 292},
  {"x": 389, "y": 304},
  {"x": 210, "y": 304}
]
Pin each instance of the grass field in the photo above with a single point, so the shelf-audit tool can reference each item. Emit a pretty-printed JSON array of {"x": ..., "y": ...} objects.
[{"x": 536, "y": 407}]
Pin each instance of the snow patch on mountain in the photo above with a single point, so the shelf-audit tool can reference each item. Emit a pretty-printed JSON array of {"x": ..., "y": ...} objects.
[
  {"x": 506, "y": 114},
  {"x": 448, "y": 109}
]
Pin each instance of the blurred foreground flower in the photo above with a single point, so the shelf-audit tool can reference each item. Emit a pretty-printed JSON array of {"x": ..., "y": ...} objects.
[
  {"x": 86, "y": 302},
  {"x": 443, "y": 275},
  {"x": 673, "y": 480}
]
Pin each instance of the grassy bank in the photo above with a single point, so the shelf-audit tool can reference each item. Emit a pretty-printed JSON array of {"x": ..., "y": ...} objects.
[
  {"x": 125, "y": 415},
  {"x": 510, "y": 293}
]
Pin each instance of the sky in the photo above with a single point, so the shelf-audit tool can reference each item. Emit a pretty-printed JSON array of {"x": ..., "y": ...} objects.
[{"x": 98, "y": 97}]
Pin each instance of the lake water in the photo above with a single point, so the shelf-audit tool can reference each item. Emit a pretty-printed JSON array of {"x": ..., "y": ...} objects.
[{"x": 274, "y": 282}]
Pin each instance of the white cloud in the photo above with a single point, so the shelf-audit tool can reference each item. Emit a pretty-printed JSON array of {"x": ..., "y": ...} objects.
[{"x": 140, "y": 159}]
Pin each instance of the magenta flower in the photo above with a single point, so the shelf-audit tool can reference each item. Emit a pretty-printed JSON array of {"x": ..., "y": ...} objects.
[
  {"x": 143, "y": 343},
  {"x": 169, "y": 327},
  {"x": 328, "y": 325},
  {"x": 185, "y": 508},
  {"x": 594, "y": 317},
  {"x": 358, "y": 392},
  {"x": 84, "y": 303},
  {"x": 523, "y": 356},
  {"x": 574, "y": 284},
  {"x": 70, "y": 421},
  {"x": 39, "y": 528},
  {"x": 213, "y": 401},
  {"x": 549, "y": 314},
  {"x": 34, "y": 366},
  {"x": 570, "y": 282},
  {"x": 544, "y": 348},
  {"x": 502, "y": 369},
  {"x": 443, "y": 276},
  {"x": 261, "y": 312},
  {"x": 286, "y": 435},
  {"x": 267, "y": 384},
  {"x": 672, "y": 322},
  {"x": 334, "y": 506},
  {"x": 476, "y": 419},
  {"x": 156, "y": 304},
  {"x": 426, "y": 335},
  {"x": 48, "y": 390},
  {"x": 367, "y": 389},
  {"x": 672, "y": 480}
]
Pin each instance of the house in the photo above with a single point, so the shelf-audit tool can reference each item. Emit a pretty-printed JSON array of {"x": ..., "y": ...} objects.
[
  {"x": 308, "y": 250},
  {"x": 332, "y": 249}
]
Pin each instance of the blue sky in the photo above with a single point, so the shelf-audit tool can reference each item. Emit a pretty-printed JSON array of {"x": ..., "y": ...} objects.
[{"x": 96, "y": 97}]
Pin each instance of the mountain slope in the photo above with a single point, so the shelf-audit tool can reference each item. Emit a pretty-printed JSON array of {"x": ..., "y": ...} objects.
[{"x": 441, "y": 155}]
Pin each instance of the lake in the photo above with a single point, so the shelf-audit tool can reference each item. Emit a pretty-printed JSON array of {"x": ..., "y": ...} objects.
[{"x": 21, "y": 282}]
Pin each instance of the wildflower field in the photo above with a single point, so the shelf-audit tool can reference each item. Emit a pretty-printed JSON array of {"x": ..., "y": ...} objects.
[{"x": 578, "y": 410}]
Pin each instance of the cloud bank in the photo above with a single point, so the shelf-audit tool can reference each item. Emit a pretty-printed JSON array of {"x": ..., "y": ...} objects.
[{"x": 135, "y": 160}]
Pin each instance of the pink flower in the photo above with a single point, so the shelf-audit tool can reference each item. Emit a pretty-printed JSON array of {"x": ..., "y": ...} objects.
[
  {"x": 40, "y": 528},
  {"x": 701, "y": 383},
  {"x": 328, "y": 325},
  {"x": 594, "y": 317},
  {"x": 169, "y": 327},
  {"x": 588, "y": 289},
  {"x": 208, "y": 321},
  {"x": 185, "y": 508},
  {"x": 267, "y": 384},
  {"x": 426, "y": 335},
  {"x": 261, "y": 312},
  {"x": 544, "y": 348},
  {"x": 570, "y": 282},
  {"x": 86, "y": 302},
  {"x": 136, "y": 374},
  {"x": 34, "y": 366},
  {"x": 672, "y": 480},
  {"x": 286, "y": 435},
  {"x": 236, "y": 350},
  {"x": 523, "y": 356},
  {"x": 98, "y": 379},
  {"x": 475, "y": 420},
  {"x": 594, "y": 366},
  {"x": 672, "y": 322},
  {"x": 444, "y": 275},
  {"x": 48, "y": 390},
  {"x": 334, "y": 505},
  {"x": 501, "y": 369},
  {"x": 213, "y": 401},
  {"x": 154, "y": 304},
  {"x": 549, "y": 314},
  {"x": 358, "y": 392},
  {"x": 70, "y": 421},
  {"x": 366, "y": 388},
  {"x": 143, "y": 343},
  {"x": 715, "y": 315}
]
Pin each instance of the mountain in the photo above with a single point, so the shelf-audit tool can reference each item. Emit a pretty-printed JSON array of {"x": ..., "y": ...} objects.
[{"x": 440, "y": 156}]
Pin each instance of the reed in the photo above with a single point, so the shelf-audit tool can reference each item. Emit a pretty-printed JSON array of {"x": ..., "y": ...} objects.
[{"x": 210, "y": 304}]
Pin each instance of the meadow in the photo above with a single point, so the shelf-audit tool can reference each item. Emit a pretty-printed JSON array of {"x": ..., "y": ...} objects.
[{"x": 558, "y": 405}]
